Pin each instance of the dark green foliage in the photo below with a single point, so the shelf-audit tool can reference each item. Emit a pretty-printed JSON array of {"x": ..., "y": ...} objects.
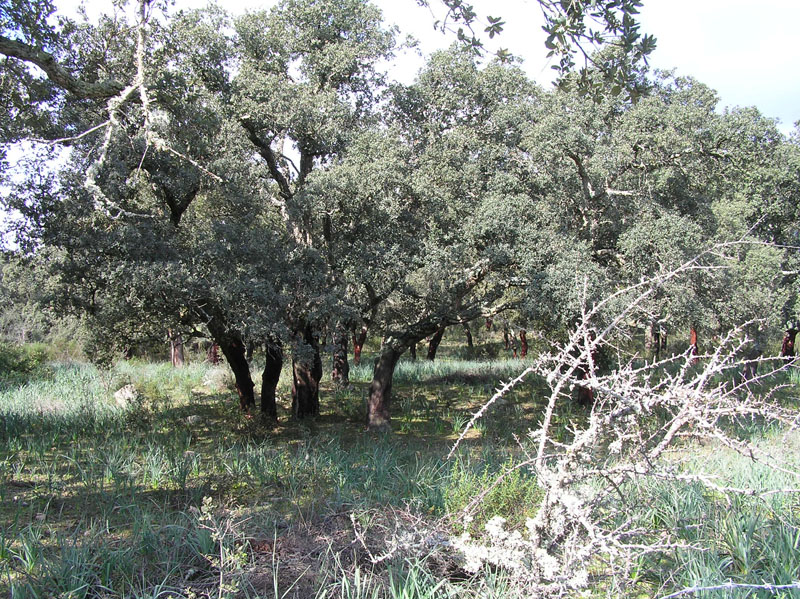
[{"x": 20, "y": 359}]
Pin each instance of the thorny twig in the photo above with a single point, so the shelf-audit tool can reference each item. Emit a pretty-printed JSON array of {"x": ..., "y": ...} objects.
[{"x": 640, "y": 413}]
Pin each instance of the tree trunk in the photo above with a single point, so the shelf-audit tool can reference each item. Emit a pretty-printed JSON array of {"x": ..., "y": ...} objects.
[
  {"x": 505, "y": 337},
  {"x": 340, "y": 372},
  {"x": 585, "y": 394},
  {"x": 433, "y": 344},
  {"x": 694, "y": 349},
  {"x": 273, "y": 354},
  {"x": 470, "y": 344},
  {"x": 523, "y": 343},
  {"x": 662, "y": 339},
  {"x": 176, "y": 348},
  {"x": 652, "y": 340},
  {"x": 412, "y": 350},
  {"x": 358, "y": 344},
  {"x": 787, "y": 346},
  {"x": 488, "y": 324},
  {"x": 213, "y": 354},
  {"x": 306, "y": 374},
  {"x": 233, "y": 349},
  {"x": 380, "y": 390}
]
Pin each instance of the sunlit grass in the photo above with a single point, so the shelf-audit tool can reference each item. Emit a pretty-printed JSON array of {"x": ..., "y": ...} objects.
[{"x": 176, "y": 491}]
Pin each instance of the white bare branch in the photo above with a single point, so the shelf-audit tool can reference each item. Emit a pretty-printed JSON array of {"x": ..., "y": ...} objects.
[{"x": 639, "y": 415}]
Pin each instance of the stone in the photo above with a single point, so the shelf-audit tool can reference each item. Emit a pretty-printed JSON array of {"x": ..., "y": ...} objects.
[{"x": 126, "y": 396}]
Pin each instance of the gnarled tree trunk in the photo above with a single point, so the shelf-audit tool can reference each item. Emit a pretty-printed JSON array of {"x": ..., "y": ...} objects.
[
  {"x": 380, "y": 390},
  {"x": 177, "y": 353},
  {"x": 694, "y": 348},
  {"x": 470, "y": 344},
  {"x": 433, "y": 344},
  {"x": 213, "y": 354},
  {"x": 306, "y": 374},
  {"x": 232, "y": 346},
  {"x": 787, "y": 345},
  {"x": 273, "y": 354},
  {"x": 652, "y": 340}
]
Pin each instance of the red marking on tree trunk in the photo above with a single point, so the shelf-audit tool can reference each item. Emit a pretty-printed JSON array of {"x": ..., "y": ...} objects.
[
  {"x": 358, "y": 344},
  {"x": 693, "y": 347}
]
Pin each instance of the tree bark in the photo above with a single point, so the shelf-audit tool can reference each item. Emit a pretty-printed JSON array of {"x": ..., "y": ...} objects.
[
  {"x": 306, "y": 374},
  {"x": 787, "y": 345},
  {"x": 358, "y": 344},
  {"x": 177, "y": 353},
  {"x": 505, "y": 337},
  {"x": 433, "y": 344},
  {"x": 694, "y": 349},
  {"x": 412, "y": 350},
  {"x": 273, "y": 354},
  {"x": 380, "y": 390},
  {"x": 523, "y": 343},
  {"x": 652, "y": 340},
  {"x": 340, "y": 372},
  {"x": 585, "y": 394},
  {"x": 213, "y": 354},
  {"x": 470, "y": 344},
  {"x": 393, "y": 346},
  {"x": 233, "y": 349}
]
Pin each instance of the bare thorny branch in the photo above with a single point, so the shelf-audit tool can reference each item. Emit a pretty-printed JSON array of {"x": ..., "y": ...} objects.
[{"x": 640, "y": 415}]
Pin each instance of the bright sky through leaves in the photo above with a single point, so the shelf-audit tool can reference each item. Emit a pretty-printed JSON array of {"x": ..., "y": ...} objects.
[{"x": 746, "y": 50}]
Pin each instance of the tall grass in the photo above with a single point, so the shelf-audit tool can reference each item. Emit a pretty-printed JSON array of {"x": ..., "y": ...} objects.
[
  {"x": 103, "y": 500},
  {"x": 444, "y": 370},
  {"x": 70, "y": 399},
  {"x": 748, "y": 539}
]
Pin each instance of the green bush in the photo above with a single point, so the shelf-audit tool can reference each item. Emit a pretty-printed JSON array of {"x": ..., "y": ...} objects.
[{"x": 21, "y": 359}]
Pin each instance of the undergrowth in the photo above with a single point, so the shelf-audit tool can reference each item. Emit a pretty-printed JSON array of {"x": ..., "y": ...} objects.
[{"x": 176, "y": 494}]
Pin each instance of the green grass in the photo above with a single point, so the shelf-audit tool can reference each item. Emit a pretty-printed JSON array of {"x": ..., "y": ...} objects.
[
  {"x": 86, "y": 484},
  {"x": 177, "y": 494}
]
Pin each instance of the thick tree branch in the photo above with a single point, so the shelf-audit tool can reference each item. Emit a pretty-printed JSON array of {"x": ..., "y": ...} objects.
[
  {"x": 265, "y": 151},
  {"x": 586, "y": 182},
  {"x": 57, "y": 73}
]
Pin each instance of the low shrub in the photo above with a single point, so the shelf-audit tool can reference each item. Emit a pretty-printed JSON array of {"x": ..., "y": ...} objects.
[{"x": 21, "y": 359}]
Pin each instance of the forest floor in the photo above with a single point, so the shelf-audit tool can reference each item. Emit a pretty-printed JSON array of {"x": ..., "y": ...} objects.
[{"x": 177, "y": 494}]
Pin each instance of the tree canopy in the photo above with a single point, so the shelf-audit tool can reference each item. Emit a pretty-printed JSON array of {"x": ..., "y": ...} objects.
[{"x": 260, "y": 181}]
